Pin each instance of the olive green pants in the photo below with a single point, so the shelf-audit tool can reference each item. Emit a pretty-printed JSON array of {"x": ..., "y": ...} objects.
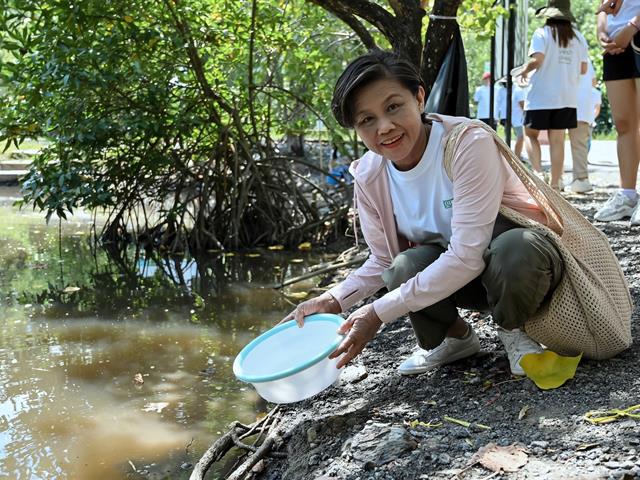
[{"x": 522, "y": 269}]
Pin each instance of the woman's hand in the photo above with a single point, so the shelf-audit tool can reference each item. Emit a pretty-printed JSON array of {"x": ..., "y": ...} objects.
[
  {"x": 609, "y": 46},
  {"x": 325, "y": 303},
  {"x": 610, "y": 6},
  {"x": 361, "y": 326}
]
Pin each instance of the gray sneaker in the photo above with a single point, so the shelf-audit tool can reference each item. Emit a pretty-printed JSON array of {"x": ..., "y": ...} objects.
[
  {"x": 450, "y": 350},
  {"x": 617, "y": 207},
  {"x": 517, "y": 344},
  {"x": 635, "y": 216}
]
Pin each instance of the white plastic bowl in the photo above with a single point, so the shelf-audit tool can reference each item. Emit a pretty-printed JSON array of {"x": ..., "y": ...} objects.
[{"x": 288, "y": 364}]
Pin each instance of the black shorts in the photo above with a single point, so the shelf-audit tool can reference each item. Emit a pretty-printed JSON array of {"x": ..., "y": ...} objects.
[
  {"x": 621, "y": 66},
  {"x": 553, "y": 119}
]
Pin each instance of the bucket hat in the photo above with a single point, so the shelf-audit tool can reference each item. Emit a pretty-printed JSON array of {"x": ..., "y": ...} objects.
[{"x": 557, "y": 9}]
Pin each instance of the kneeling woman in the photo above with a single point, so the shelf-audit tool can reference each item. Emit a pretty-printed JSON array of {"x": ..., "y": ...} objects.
[{"x": 436, "y": 244}]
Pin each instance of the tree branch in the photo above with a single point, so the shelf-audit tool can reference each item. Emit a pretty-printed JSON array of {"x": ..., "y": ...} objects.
[
  {"x": 368, "y": 11},
  {"x": 360, "y": 30}
]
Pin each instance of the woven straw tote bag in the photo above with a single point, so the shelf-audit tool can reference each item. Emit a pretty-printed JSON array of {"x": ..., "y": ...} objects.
[{"x": 590, "y": 309}]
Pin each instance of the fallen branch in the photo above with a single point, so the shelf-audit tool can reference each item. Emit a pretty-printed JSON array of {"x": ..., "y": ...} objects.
[
  {"x": 233, "y": 438},
  {"x": 320, "y": 271},
  {"x": 263, "y": 450}
]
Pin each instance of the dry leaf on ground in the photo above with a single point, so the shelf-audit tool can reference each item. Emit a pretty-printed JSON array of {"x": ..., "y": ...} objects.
[
  {"x": 523, "y": 412},
  {"x": 496, "y": 458}
]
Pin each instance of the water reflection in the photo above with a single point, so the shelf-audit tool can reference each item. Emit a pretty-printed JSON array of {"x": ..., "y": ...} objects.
[{"x": 78, "y": 334}]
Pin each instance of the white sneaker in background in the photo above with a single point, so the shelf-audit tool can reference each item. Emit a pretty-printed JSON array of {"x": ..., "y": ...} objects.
[
  {"x": 617, "y": 207},
  {"x": 581, "y": 186},
  {"x": 450, "y": 350},
  {"x": 635, "y": 216},
  {"x": 517, "y": 344}
]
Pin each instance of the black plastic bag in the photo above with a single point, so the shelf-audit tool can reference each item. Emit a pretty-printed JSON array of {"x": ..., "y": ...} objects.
[{"x": 450, "y": 92}]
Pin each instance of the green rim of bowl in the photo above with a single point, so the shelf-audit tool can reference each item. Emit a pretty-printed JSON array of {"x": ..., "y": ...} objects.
[{"x": 318, "y": 317}]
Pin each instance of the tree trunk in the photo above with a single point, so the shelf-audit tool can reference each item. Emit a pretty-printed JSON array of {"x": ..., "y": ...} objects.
[
  {"x": 403, "y": 28},
  {"x": 437, "y": 40}
]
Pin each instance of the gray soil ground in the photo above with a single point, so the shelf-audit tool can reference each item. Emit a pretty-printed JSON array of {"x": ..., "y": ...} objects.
[{"x": 360, "y": 428}]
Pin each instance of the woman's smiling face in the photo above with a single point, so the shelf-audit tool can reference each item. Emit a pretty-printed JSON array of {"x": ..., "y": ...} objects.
[{"x": 387, "y": 117}]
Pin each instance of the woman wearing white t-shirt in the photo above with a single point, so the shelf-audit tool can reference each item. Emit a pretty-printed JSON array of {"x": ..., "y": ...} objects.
[
  {"x": 558, "y": 55},
  {"x": 620, "y": 75}
]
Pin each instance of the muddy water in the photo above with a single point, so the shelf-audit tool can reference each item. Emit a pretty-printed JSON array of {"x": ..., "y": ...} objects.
[{"x": 110, "y": 371}]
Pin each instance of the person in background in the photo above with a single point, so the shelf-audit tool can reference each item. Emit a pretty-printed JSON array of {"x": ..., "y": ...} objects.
[
  {"x": 517, "y": 113},
  {"x": 482, "y": 97},
  {"x": 580, "y": 136},
  {"x": 500, "y": 108},
  {"x": 558, "y": 56},
  {"x": 518, "y": 95},
  {"x": 610, "y": 7},
  {"x": 620, "y": 75}
]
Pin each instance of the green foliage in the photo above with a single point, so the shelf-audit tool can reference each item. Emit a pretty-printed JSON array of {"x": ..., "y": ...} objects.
[
  {"x": 478, "y": 17},
  {"x": 169, "y": 107}
]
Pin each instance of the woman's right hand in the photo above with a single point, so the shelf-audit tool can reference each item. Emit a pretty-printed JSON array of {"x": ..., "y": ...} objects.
[
  {"x": 610, "y": 6},
  {"x": 608, "y": 44},
  {"x": 325, "y": 303}
]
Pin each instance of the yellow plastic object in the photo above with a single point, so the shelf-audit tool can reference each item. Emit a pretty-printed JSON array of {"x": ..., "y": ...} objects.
[
  {"x": 548, "y": 369},
  {"x": 607, "y": 416},
  {"x": 304, "y": 246}
]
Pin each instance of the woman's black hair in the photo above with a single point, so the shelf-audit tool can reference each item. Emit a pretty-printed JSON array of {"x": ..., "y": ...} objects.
[
  {"x": 561, "y": 30},
  {"x": 372, "y": 66}
]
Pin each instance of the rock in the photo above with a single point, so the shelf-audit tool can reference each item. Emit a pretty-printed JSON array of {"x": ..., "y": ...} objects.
[
  {"x": 258, "y": 467},
  {"x": 432, "y": 443},
  {"x": 539, "y": 443},
  {"x": 378, "y": 444},
  {"x": 461, "y": 432},
  {"x": 312, "y": 435},
  {"x": 613, "y": 465},
  {"x": 444, "y": 459},
  {"x": 353, "y": 374},
  {"x": 313, "y": 460},
  {"x": 186, "y": 466}
]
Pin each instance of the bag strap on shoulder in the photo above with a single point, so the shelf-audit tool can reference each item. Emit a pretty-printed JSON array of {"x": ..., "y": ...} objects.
[{"x": 538, "y": 189}]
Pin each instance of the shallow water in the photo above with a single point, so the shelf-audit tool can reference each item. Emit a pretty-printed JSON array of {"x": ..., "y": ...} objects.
[{"x": 78, "y": 332}]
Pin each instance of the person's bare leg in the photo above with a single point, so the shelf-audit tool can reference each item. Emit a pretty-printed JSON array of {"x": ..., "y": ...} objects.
[
  {"x": 625, "y": 113},
  {"x": 459, "y": 329},
  {"x": 556, "y": 151},
  {"x": 518, "y": 146},
  {"x": 533, "y": 148}
]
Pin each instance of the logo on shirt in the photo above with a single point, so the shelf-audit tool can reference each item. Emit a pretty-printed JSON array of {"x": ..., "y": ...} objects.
[{"x": 448, "y": 203}]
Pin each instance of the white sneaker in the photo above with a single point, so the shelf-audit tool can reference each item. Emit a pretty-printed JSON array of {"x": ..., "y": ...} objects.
[
  {"x": 635, "y": 216},
  {"x": 617, "y": 207},
  {"x": 450, "y": 350},
  {"x": 517, "y": 344},
  {"x": 581, "y": 186}
]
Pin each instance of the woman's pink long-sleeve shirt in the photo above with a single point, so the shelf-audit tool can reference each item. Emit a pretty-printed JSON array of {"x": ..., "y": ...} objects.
[{"x": 482, "y": 182}]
